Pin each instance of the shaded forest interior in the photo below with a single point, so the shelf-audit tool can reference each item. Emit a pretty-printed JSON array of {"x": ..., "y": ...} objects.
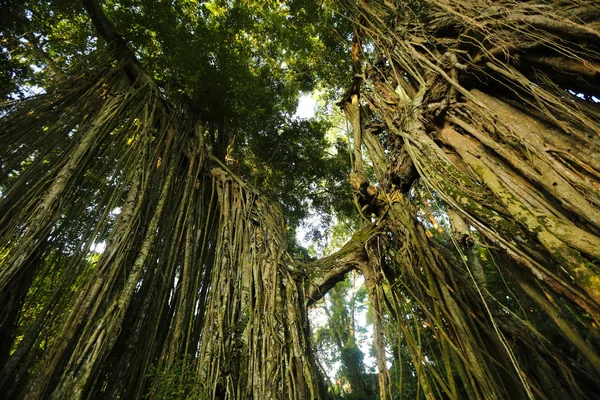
[{"x": 154, "y": 178}]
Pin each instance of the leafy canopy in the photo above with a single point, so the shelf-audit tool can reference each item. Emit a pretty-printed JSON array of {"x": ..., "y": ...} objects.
[{"x": 235, "y": 67}]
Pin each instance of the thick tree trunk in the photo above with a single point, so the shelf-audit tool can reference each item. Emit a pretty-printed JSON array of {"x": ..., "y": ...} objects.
[{"x": 523, "y": 172}]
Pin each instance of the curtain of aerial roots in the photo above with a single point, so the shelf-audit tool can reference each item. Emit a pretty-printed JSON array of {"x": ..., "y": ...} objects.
[
  {"x": 192, "y": 292},
  {"x": 255, "y": 319},
  {"x": 493, "y": 104}
]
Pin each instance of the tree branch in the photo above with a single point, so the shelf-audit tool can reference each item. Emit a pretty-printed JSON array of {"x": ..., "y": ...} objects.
[
  {"x": 337, "y": 265},
  {"x": 34, "y": 43},
  {"x": 116, "y": 43}
]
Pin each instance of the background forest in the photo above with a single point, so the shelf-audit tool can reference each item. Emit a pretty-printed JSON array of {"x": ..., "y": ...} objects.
[{"x": 171, "y": 229}]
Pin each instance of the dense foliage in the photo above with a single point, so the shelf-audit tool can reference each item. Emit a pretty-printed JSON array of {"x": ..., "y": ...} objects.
[{"x": 237, "y": 68}]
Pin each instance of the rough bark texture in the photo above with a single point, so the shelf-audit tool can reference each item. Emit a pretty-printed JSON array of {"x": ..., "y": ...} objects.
[
  {"x": 256, "y": 317},
  {"x": 481, "y": 100}
]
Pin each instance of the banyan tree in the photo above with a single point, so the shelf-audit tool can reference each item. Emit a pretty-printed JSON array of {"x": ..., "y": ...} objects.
[{"x": 143, "y": 255}]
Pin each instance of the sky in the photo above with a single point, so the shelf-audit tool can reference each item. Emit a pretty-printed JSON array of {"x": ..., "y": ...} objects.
[{"x": 306, "y": 107}]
